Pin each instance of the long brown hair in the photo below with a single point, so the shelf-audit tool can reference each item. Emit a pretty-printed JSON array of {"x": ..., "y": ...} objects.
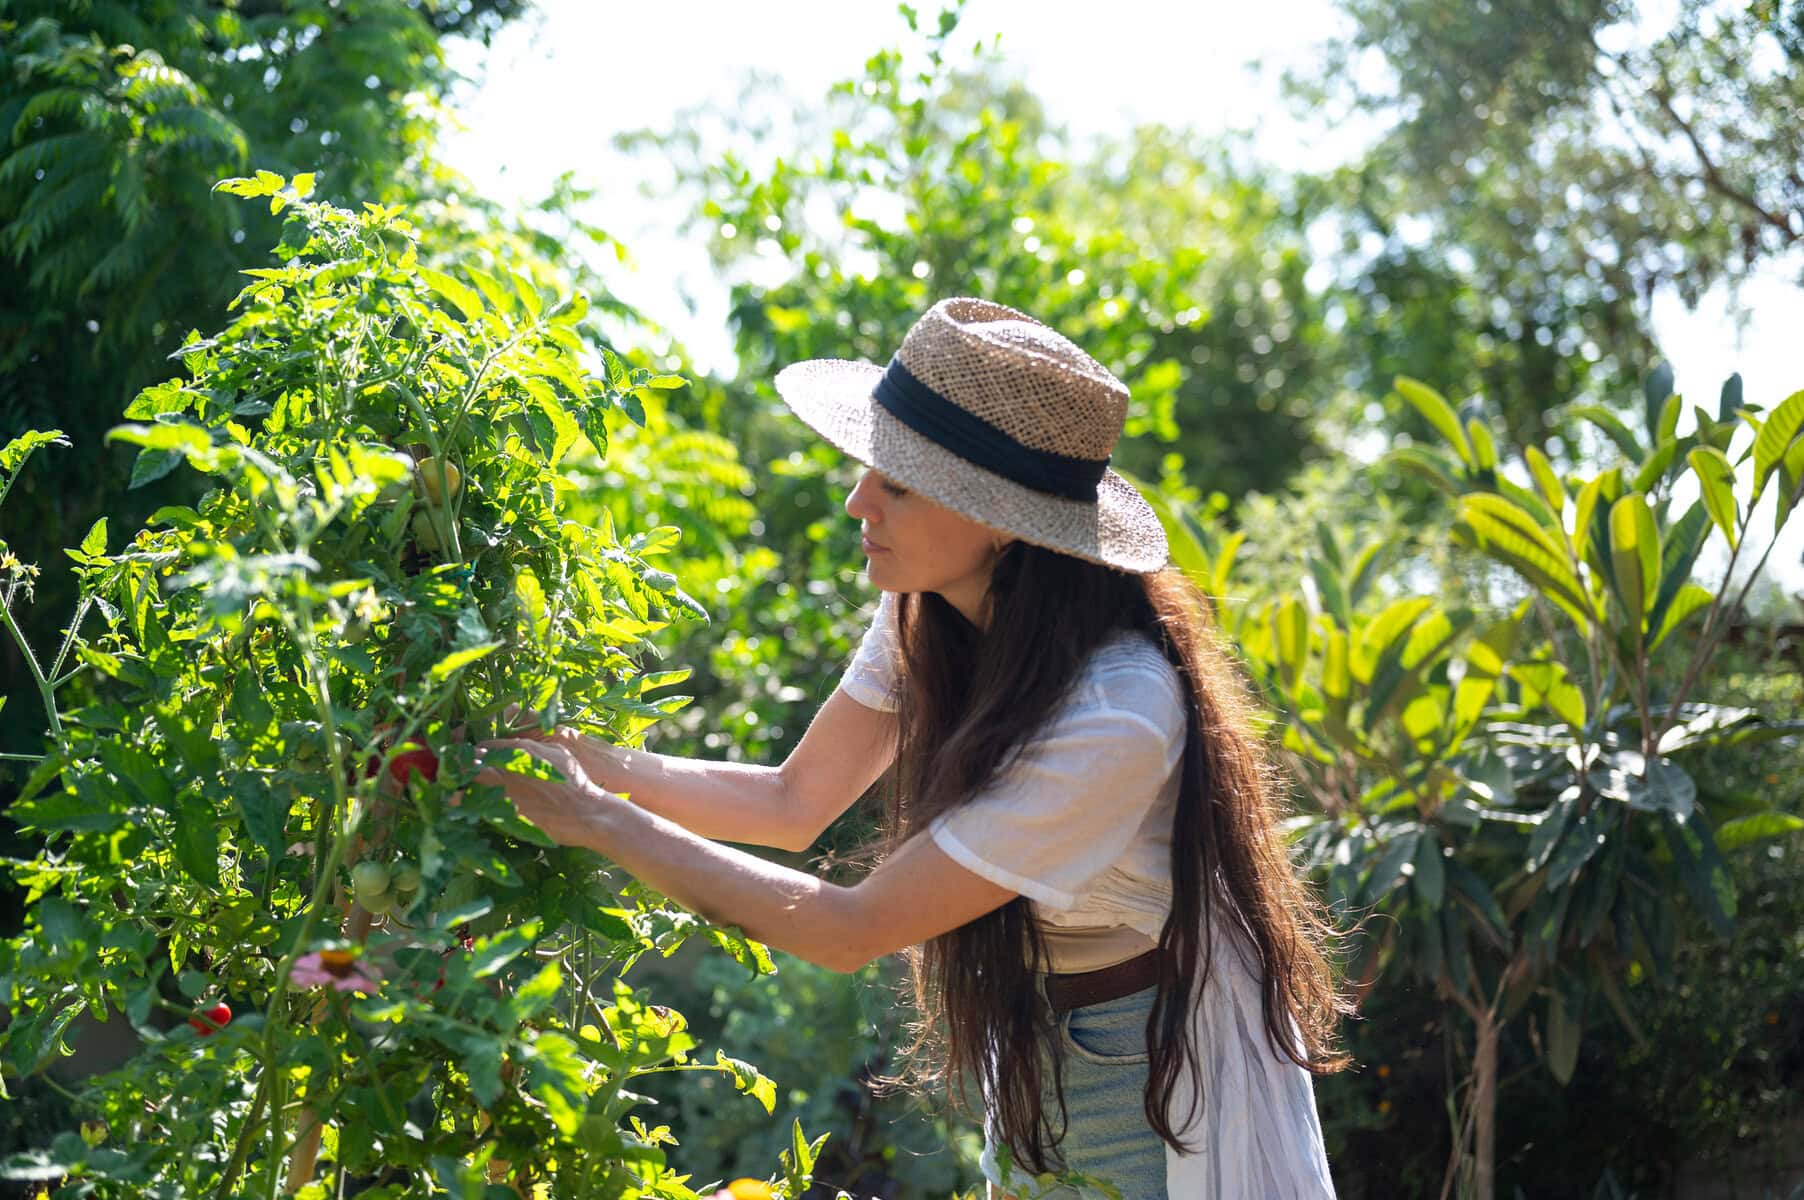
[{"x": 970, "y": 701}]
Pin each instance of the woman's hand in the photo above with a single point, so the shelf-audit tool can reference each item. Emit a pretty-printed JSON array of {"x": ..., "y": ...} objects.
[
  {"x": 604, "y": 764},
  {"x": 569, "y": 812}
]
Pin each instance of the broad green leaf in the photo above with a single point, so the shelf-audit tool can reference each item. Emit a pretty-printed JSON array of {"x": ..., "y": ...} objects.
[
  {"x": 1291, "y": 628},
  {"x": 1550, "y": 827},
  {"x": 1689, "y": 599},
  {"x": 1654, "y": 469},
  {"x": 197, "y": 840},
  {"x": 564, "y": 428},
  {"x": 1438, "y": 413},
  {"x": 1716, "y": 483},
  {"x": 1365, "y": 570},
  {"x": 1678, "y": 555},
  {"x": 94, "y": 544},
  {"x": 1729, "y": 399},
  {"x": 1635, "y": 555},
  {"x": 1575, "y": 850},
  {"x": 529, "y": 295},
  {"x": 174, "y": 435},
  {"x": 1328, "y": 588},
  {"x": 1757, "y": 827},
  {"x": 499, "y": 298},
  {"x": 1420, "y": 461},
  {"x": 1613, "y": 428},
  {"x": 1484, "y": 449},
  {"x": 458, "y": 659},
  {"x": 1388, "y": 627},
  {"x": 1546, "y": 683},
  {"x": 1430, "y": 878},
  {"x": 1702, "y": 870},
  {"x": 1394, "y": 865},
  {"x": 1601, "y": 490},
  {"x": 1656, "y": 394},
  {"x": 1563, "y": 1030},
  {"x": 1791, "y": 471},
  {"x": 1511, "y": 536},
  {"x": 467, "y": 301},
  {"x": 16, "y": 451},
  {"x": 1669, "y": 417},
  {"x": 1552, "y": 490},
  {"x": 1776, "y": 435},
  {"x": 1335, "y": 677},
  {"x": 748, "y": 1079}
]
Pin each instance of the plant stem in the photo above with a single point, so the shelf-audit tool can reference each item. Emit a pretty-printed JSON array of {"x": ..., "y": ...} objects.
[
  {"x": 240, "y": 1151},
  {"x": 45, "y": 691}
]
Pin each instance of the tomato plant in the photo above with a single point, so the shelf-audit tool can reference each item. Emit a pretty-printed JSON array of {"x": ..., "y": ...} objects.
[{"x": 281, "y": 686}]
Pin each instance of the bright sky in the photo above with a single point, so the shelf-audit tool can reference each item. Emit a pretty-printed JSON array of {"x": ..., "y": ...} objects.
[{"x": 558, "y": 85}]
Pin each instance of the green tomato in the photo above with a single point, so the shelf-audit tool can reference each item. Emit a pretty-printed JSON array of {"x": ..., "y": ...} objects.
[
  {"x": 425, "y": 534},
  {"x": 405, "y": 878},
  {"x": 369, "y": 879},
  {"x": 435, "y": 490}
]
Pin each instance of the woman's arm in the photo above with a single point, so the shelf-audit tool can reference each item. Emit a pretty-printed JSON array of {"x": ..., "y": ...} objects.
[
  {"x": 918, "y": 893},
  {"x": 846, "y": 748}
]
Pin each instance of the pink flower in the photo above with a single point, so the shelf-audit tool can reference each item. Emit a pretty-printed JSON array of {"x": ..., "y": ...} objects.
[{"x": 332, "y": 967}]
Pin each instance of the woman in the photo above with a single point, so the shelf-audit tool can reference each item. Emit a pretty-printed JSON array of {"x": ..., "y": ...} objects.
[{"x": 1080, "y": 859}]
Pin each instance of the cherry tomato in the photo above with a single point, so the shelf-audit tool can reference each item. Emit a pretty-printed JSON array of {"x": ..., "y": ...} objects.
[
  {"x": 369, "y": 881},
  {"x": 402, "y": 766},
  {"x": 220, "y": 1015},
  {"x": 405, "y": 878}
]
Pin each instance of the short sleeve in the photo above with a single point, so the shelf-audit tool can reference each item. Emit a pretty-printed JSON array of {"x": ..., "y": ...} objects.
[
  {"x": 1071, "y": 803},
  {"x": 871, "y": 677}
]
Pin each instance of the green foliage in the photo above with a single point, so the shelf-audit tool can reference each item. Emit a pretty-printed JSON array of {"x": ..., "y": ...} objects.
[
  {"x": 115, "y": 119},
  {"x": 1512, "y": 794},
  {"x": 821, "y": 1036},
  {"x": 383, "y": 561}
]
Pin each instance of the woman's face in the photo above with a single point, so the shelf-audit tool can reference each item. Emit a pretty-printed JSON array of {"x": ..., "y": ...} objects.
[{"x": 915, "y": 545}]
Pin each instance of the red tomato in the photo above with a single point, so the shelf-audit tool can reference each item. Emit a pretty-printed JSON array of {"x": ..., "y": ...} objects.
[
  {"x": 403, "y": 765},
  {"x": 220, "y": 1015}
]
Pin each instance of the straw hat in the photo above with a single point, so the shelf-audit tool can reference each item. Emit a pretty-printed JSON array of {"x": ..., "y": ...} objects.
[{"x": 997, "y": 417}]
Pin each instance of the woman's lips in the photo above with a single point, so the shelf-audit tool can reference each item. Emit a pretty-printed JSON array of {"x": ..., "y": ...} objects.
[{"x": 871, "y": 547}]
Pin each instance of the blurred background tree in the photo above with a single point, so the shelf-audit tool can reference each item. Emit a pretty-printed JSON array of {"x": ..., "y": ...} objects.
[{"x": 1544, "y": 169}]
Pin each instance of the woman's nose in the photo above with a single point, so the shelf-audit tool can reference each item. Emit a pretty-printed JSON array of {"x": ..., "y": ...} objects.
[{"x": 860, "y": 503}]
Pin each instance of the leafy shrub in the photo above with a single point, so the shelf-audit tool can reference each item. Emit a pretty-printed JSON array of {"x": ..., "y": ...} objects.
[{"x": 261, "y": 842}]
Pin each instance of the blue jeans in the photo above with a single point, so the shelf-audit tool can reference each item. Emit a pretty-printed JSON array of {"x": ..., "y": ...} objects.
[{"x": 1104, "y": 1048}]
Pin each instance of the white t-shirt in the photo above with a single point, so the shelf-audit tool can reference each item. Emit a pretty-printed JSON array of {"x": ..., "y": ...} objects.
[
  {"x": 1080, "y": 822},
  {"x": 1081, "y": 825}
]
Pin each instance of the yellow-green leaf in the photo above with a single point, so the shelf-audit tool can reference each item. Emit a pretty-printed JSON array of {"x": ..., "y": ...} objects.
[
  {"x": 1291, "y": 629},
  {"x": 1716, "y": 482},
  {"x": 1484, "y": 450},
  {"x": 1507, "y": 533},
  {"x": 1437, "y": 412},
  {"x": 1776, "y": 435},
  {"x": 1546, "y": 683},
  {"x": 1688, "y": 600},
  {"x": 1635, "y": 556},
  {"x": 1552, "y": 490},
  {"x": 467, "y": 301}
]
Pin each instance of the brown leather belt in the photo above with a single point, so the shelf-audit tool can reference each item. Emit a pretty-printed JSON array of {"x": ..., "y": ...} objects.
[{"x": 1080, "y": 988}]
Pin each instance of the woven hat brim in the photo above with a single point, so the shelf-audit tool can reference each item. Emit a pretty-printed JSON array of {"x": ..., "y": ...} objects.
[{"x": 834, "y": 398}]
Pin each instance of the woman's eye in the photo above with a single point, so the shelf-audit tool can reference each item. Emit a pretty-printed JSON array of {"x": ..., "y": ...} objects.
[{"x": 894, "y": 490}]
